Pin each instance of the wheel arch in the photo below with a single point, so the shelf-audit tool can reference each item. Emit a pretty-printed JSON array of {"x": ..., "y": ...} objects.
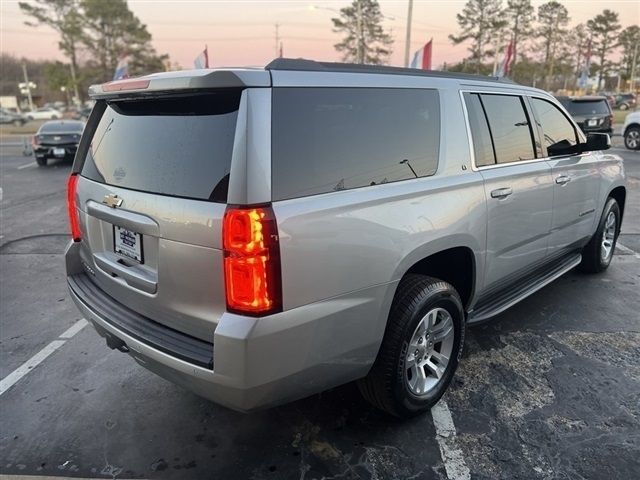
[
  {"x": 454, "y": 262},
  {"x": 620, "y": 195},
  {"x": 626, "y": 129}
]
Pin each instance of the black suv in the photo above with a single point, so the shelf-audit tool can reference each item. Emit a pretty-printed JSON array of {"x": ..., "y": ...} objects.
[{"x": 592, "y": 114}]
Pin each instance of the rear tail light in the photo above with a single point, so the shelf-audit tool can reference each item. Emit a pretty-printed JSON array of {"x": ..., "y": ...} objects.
[
  {"x": 72, "y": 207},
  {"x": 252, "y": 275}
]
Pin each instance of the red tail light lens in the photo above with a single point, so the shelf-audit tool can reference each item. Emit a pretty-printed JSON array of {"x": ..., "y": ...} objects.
[
  {"x": 251, "y": 261},
  {"x": 72, "y": 207}
]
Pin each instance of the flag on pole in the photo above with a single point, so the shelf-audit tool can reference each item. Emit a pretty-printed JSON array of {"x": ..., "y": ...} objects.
[
  {"x": 503, "y": 71},
  {"x": 422, "y": 58},
  {"x": 584, "y": 74},
  {"x": 122, "y": 69},
  {"x": 202, "y": 60}
]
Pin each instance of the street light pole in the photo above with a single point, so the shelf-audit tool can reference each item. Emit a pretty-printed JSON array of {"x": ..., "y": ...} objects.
[
  {"x": 407, "y": 45},
  {"x": 359, "y": 50},
  {"x": 26, "y": 81}
]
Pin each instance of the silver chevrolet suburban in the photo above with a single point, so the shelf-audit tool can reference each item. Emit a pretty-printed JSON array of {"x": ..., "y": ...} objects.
[{"x": 260, "y": 235}]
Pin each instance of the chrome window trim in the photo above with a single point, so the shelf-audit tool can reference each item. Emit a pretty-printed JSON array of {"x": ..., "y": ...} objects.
[{"x": 470, "y": 135}]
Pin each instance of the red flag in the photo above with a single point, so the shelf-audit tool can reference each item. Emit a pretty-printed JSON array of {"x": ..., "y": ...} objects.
[
  {"x": 202, "y": 60},
  {"x": 422, "y": 58},
  {"x": 506, "y": 63}
]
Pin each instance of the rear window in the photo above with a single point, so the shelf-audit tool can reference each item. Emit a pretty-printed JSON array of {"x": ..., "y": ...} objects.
[
  {"x": 595, "y": 107},
  {"x": 179, "y": 146},
  {"x": 330, "y": 139},
  {"x": 62, "y": 127}
]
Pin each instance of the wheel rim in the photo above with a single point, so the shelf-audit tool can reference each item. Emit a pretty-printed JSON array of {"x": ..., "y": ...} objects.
[
  {"x": 608, "y": 237},
  {"x": 633, "y": 139},
  {"x": 429, "y": 351}
]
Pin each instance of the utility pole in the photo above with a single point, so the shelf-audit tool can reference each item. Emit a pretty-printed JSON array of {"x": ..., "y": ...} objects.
[
  {"x": 277, "y": 39},
  {"x": 28, "y": 86},
  {"x": 360, "y": 50},
  {"x": 634, "y": 63},
  {"x": 407, "y": 44}
]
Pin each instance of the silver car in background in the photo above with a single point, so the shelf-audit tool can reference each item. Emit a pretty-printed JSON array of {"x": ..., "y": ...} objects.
[{"x": 260, "y": 235}]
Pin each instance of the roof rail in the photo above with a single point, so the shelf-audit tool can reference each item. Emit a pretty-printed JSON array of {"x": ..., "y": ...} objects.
[{"x": 304, "y": 65}]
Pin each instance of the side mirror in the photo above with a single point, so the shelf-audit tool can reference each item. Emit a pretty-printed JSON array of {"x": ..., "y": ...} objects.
[{"x": 596, "y": 141}]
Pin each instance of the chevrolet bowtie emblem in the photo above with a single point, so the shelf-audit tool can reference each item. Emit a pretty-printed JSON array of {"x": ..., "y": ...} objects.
[{"x": 112, "y": 200}]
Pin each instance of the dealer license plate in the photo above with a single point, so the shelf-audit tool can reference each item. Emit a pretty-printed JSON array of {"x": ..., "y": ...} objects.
[{"x": 127, "y": 243}]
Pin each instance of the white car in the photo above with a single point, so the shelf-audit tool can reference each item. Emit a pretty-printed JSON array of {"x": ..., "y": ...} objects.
[
  {"x": 631, "y": 131},
  {"x": 46, "y": 113}
]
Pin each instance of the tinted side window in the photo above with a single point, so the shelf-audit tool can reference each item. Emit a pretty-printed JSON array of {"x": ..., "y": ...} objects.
[
  {"x": 329, "y": 139},
  {"x": 558, "y": 132},
  {"x": 481, "y": 137},
  {"x": 510, "y": 128}
]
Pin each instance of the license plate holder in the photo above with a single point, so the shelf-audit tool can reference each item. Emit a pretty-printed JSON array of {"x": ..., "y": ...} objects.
[
  {"x": 59, "y": 152},
  {"x": 128, "y": 244}
]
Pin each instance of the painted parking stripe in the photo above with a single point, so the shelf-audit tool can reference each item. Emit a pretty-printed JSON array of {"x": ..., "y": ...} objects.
[
  {"x": 446, "y": 437},
  {"x": 75, "y": 328},
  {"x": 32, "y": 164},
  {"x": 627, "y": 250},
  {"x": 10, "y": 380}
]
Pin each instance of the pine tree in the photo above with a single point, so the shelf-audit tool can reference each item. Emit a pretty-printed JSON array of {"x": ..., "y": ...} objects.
[
  {"x": 64, "y": 18},
  {"x": 111, "y": 30},
  {"x": 604, "y": 29},
  {"x": 519, "y": 15},
  {"x": 479, "y": 22},
  {"x": 630, "y": 43},
  {"x": 553, "y": 18},
  {"x": 365, "y": 40}
]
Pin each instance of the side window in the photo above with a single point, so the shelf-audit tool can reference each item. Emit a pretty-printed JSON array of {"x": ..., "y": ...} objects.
[
  {"x": 329, "y": 139},
  {"x": 510, "y": 127},
  {"x": 481, "y": 136},
  {"x": 558, "y": 132}
]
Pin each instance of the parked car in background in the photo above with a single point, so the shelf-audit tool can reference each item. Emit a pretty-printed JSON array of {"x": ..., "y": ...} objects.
[
  {"x": 631, "y": 131},
  {"x": 625, "y": 101},
  {"x": 82, "y": 113},
  {"x": 261, "y": 235},
  {"x": 44, "y": 113},
  {"x": 57, "y": 139},
  {"x": 610, "y": 96},
  {"x": 9, "y": 117},
  {"x": 592, "y": 114}
]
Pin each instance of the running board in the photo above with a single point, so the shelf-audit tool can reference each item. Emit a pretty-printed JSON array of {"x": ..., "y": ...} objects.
[{"x": 523, "y": 288}]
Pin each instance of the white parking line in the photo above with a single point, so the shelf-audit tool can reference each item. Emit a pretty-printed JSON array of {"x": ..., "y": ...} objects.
[
  {"x": 627, "y": 250},
  {"x": 75, "y": 328},
  {"x": 7, "y": 382},
  {"x": 451, "y": 454},
  {"x": 32, "y": 164}
]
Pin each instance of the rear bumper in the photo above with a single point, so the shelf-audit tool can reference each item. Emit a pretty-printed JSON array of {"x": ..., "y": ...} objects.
[
  {"x": 48, "y": 150},
  {"x": 257, "y": 362}
]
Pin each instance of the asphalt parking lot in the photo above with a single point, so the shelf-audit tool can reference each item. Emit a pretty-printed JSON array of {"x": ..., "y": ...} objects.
[{"x": 548, "y": 390}]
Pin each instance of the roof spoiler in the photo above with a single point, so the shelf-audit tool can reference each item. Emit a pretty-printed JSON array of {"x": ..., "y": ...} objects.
[{"x": 179, "y": 81}]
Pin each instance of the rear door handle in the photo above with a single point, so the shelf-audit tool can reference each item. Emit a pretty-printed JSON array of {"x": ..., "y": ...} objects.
[
  {"x": 563, "y": 180},
  {"x": 501, "y": 192}
]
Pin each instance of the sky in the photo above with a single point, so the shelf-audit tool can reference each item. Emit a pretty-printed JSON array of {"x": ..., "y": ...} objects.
[{"x": 243, "y": 32}]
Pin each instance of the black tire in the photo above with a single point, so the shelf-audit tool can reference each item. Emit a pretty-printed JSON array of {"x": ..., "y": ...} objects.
[
  {"x": 54, "y": 117},
  {"x": 624, "y": 106},
  {"x": 386, "y": 385},
  {"x": 17, "y": 123},
  {"x": 41, "y": 161},
  {"x": 593, "y": 260},
  {"x": 632, "y": 138}
]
